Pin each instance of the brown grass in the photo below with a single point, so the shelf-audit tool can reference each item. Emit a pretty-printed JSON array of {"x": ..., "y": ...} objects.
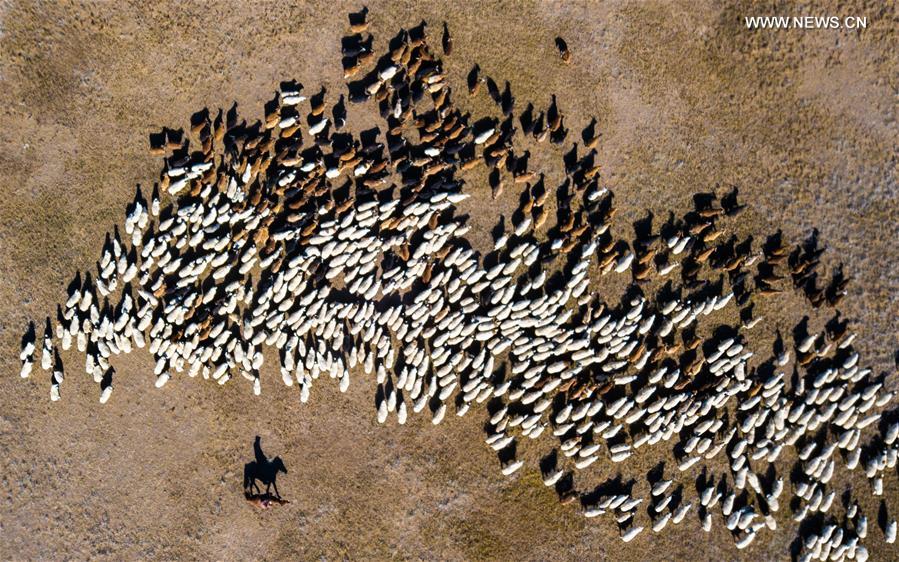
[{"x": 686, "y": 99}]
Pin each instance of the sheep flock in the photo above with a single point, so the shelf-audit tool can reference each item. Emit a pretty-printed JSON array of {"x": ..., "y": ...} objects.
[{"x": 345, "y": 253}]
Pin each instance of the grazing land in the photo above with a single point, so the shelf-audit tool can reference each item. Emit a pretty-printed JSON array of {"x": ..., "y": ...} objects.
[{"x": 686, "y": 100}]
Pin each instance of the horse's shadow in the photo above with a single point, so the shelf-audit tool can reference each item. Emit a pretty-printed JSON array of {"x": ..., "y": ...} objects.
[{"x": 262, "y": 469}]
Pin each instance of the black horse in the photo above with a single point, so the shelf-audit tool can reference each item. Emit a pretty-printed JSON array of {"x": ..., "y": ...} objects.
[{"x": 262, "y": 469}]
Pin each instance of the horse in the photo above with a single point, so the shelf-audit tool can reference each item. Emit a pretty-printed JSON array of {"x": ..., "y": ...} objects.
[{"x": 264, "y": 501}]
